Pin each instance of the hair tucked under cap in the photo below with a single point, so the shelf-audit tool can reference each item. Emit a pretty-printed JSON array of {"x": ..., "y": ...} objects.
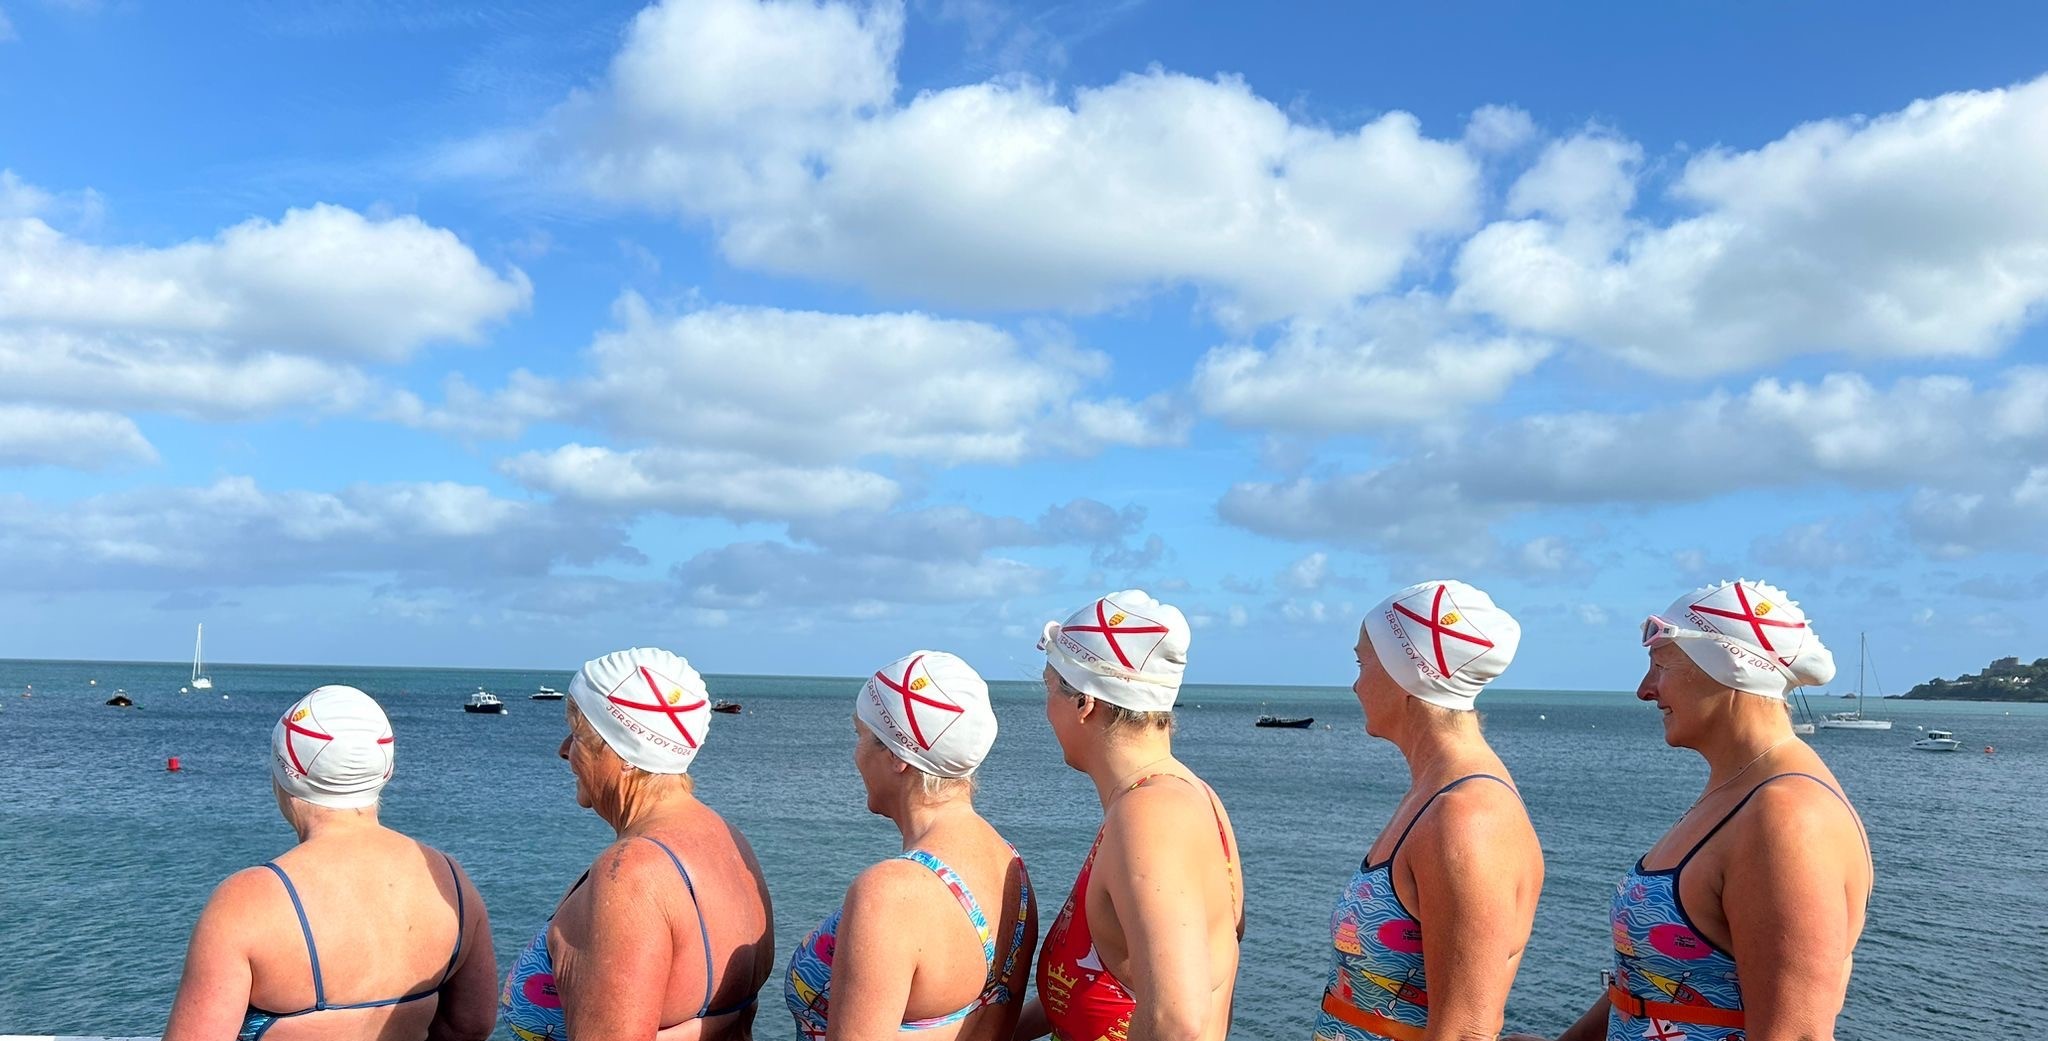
[
  {"x": 1443, "y": 641},
  {"x": 932, "y": 711},
  {"x": 647, "y": 704},
  {"x": 333, "y": 748},
  {"x": 1764, "y": 643},
  {"x": 1126, "y": 648}
]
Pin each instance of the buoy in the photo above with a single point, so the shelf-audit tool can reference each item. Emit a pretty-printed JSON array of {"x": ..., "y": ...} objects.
[
  {"x": 1987, "y": 749},
  {"x": 172, "y": 765},
  {"x": 223, "y": 697},
  {"x": 1542, "y": 717}
]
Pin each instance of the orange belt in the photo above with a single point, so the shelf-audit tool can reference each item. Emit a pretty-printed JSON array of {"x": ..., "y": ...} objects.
[
  {"x": 1370, "y": 1022},
  {"x": 1636, "y": 1008}
]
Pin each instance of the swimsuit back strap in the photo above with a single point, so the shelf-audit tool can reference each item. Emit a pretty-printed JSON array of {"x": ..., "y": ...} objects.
[
  {"x": 305, "y": 929},
  {"x": 1000, "y": 982},
  {"x": 962, "y": 895},
  {"x": 703, "y": 928},
  {"x": 1417, "y": 819},
  {"x": 461, "y": 919},
  {"x": 1730, "y": 815}
]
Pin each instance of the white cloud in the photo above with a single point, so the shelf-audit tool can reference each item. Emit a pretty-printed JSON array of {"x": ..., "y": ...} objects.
[
  {"x": 1389, "y": 361},
  {"x": 698, "y": 483},
  {"x": 1592, "y": 614},
  {"x": 235, "y": 533},
  {"x": 7, "y": 35},
  {"x": 1499, "y": 128},
  {"x": 186, "y": 377},
  {"x": 956, "y": 533},
  {"x": 2013, "y": 516},
  {"x": 32, "y": 435},
  {"x": 322, "y": 280},
  {"x": 1238, "y": 616},
  {"x": 1917, "y": 233},
  {"x": 779, "y": 123},
  {"x": 772, "y": 575},
  {"x": 1307, "y": 574},
  {"x": 1940, "y": 431}
]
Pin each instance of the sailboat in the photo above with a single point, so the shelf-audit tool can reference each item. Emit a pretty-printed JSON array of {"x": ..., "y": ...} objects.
[
  {"x": 199, "y": 680},
  {"x": 1853, "y": 720}
]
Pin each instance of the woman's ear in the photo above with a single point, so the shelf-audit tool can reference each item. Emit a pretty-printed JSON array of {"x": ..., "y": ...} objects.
[{"x": 1085, "y": 707}]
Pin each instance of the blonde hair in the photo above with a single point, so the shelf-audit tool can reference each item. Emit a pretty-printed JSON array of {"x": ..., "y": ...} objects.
[
  {"x": 633, "y": 777},
  {"x": 1117, "y": 717},
  {"x": 931, "y": 787}
]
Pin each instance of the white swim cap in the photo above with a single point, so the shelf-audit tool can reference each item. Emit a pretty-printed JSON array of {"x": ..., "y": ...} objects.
[
  {"x": 333, "y": 748},
  {"x": 649, "y": 706},
  {"x": 1761, "y": 641},
  {"x": 932, "y": 710},
  {"x": 1126, "y": 648},
  {"x": 1443, "y": 641}
]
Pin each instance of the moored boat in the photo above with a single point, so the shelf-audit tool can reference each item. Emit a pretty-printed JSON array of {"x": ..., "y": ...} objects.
[
  {"x": 485, "y": 702},
  {"x": 1937, "y": 741},
  {"x": 730, "y": 708},
  {"x": 1285, "y": 722},
  {"x": 546, "y": 693}
]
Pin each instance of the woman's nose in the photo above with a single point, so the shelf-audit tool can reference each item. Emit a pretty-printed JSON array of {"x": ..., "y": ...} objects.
[{"x": 563, "y": 751}]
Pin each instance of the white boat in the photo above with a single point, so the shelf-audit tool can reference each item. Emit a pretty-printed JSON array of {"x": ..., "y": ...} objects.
[
  {"x": 1801, "y": 712},
  {"x": 1854, "y": 719},
  {"x": 199, "y": 680},
  {"x": 485, "y": 702},
  {"x": 546, "y": 694},
  {"x": 1937, "y": 741}
]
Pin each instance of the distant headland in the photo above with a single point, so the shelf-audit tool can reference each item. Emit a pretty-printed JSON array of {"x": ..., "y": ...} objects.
[{"x": 2003, "y": 680}]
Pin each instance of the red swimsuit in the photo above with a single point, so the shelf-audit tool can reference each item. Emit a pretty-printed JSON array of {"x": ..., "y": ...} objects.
[{"x": 1083, "y": 1000}]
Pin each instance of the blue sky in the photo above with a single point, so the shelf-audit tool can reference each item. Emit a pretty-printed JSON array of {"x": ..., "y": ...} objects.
[{"x": 792, "y": 336}]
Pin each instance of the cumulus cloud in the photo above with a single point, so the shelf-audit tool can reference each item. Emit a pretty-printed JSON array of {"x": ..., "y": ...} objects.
[
  {"x": 1380, "y": 363},
  {"x": 1918, "y": 233},
  {"x": 32, "y": 435},
  {"x": 235, "y": 533},
  {"x": 956, "y": 533},
  {"x": 779, "y": 122},
  {"x": 776, "y": 575},
  {"x": 698, "y": 483},
  {"x": 1941, "y": 432},
  {"x": 1307, "y": 574},
  {"x": 1955, "y": 524}
]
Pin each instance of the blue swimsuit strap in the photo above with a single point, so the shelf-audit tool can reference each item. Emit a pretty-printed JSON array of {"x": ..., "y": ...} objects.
[
  {"x": 704, "y": 1011},
  {"x": 313, "y": 950},
  {"x": 1730, "y": 815},
  {"x": 1368, "y": 865}
]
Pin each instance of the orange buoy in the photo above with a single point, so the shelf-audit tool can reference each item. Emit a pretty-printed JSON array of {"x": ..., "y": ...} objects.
[{"x": 173, "y": 766}]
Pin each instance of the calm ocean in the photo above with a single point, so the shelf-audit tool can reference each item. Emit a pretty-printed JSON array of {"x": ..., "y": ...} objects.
[{"x": 105, "y": 858}]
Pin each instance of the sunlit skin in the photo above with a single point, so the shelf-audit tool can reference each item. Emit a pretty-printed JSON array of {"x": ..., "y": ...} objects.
[
  {"x": 1471, "y": 869},
  {"x": 1180, "y": 967},
  {"x": 1783, "y": 885}
]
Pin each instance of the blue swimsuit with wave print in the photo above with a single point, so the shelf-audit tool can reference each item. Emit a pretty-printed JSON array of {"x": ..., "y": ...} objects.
[
  {"x": 529, "y": 1004},
  {"x": 257, "y": 1021},
  {"x": 1669, "y": 982},
  {"x": 808, "y": 984},
  {"x": 1377, "y": 988}
]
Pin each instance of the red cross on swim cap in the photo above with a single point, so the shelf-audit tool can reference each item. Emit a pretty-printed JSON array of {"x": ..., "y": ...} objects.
[
  {"x": 648, "y": 705},
  {"x": 1443, "y": 641},
  {"x": 932, "y": 710},
  {"x": 1765, "y": 645},
  {"x": 1126, "y": 648},
  {"x": 333, "y": 748}
]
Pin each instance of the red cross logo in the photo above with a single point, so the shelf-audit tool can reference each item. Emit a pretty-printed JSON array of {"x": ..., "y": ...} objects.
[
  {"x": 661, "y": 705},
  {"x": 1109, "y": 632},
  {"x": 1661, "y": 1030},
  {"x": 291, "y": 749},
  {"x": 1756, "y": 621},
  {"x": 1438, "y": 631},
  {"x": 910, "y": 694}
]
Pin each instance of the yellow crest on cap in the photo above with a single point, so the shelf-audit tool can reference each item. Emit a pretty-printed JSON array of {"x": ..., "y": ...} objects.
[
  {"x": 919, "y": 683},
  {"x": 1450, "y": 619},
  {"x": 675, "y": 697},
  {"x": 300, "y": 714},
  {"x": 1763, "y": 607},
  {"x": 1117, "y": 618}
]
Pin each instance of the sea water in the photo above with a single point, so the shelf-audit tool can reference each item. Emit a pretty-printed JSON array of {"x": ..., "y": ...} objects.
[{"x": 106, "y": 858}]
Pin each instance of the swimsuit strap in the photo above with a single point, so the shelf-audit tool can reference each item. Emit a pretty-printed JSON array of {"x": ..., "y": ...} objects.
[
  {"x": 1730, "y": 815},
  {"x": 306, "y": 929},
  {"x": 461, "y": 919},
  {"x": 999, "y": 985},
  {"x": 1222, "y": 837},
  {"x": 704, "y": 1011},
  {"x": 1417, "y": 819},
  {"x": 962, "y": 895}
]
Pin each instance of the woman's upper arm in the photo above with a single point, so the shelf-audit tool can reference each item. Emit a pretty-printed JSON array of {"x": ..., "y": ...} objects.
[
  {"x": 615, "y": 983},
  {"x": 1793, "y": 877},
  {"x": 468, "y": 1008},
  {"x": 1476, "y": 908},
  {"x": 875, "y": 956},
  {"x": 1155, "y": 879},
  {"x": 213, "y": 994}
]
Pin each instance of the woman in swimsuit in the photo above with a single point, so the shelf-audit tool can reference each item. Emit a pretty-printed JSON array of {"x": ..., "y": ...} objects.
[
  {"x": 1457, "y": 870},
  {"x": 1768, "y": 872},
  {"x": 1146, "y": 945},
  {"x": 356, "y": 932},
  {"x": 914, "y": 949},
  {"x": 669, "y": 934}
]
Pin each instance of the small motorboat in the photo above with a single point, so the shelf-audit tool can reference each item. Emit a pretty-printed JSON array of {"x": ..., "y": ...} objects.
[
  {"x": 1285, "y": 722},
  {"x": 546, "y": 694},
  {"x": 1937, "y": 741},
  {"x": 730, "y": 708},
  {"x": 121, "y": 699},
  {"x": 485, "y": 702}
]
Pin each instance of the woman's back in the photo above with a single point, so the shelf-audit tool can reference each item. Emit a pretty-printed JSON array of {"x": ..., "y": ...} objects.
[{"x": 955, "y": 970}]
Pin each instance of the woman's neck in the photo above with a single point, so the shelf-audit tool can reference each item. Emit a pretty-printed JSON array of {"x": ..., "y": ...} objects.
[
  {"x": 1127, "y": 759},
  {"x": 1434, "y": 749},
  {"x": 635, "y": 810},
  {"x": 917, "y": 817}
]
